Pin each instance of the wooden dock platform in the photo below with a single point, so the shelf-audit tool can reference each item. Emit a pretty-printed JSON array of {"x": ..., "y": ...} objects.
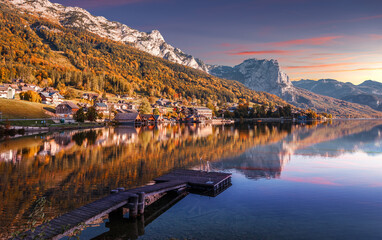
[{"x": 200, "y": 182}]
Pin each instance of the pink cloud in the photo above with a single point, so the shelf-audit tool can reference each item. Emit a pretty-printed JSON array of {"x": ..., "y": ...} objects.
[
  {"x": 328, "y": 54},
  {"x": 264, "y": 52},
  {"x": 225, "y": 45},
  {"x": 376, "y": 36},
  {"x": 365, "y": 18},
  {"x": 320, "y": 65},
  {"x": 340, "y": 70},
  {"x": 320, "y": 59},
  {"x": 317, "y": 41}
]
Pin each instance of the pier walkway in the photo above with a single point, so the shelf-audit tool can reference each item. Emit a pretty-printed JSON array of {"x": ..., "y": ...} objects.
[{"x": 135, "y": 200}]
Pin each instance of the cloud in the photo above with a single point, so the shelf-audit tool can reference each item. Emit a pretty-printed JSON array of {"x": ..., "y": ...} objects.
[
  {"x": 376, "y": 36},
  {"x": 320, "y": 65},
  {"x": 320, "y": 59},
  {"x": 340, "y": 70},
  {"x": 365, "y": 18},
  {"x": 225, "y": 45},
  {"x": 328, "y": 54},
  {"x": 355, "y": 70},
  {"x": 317, "y": 41},
  {"x": 264, "y": 52}
]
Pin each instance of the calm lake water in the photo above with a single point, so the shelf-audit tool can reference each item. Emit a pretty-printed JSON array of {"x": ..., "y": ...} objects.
[{"x": 288, "y": 181}]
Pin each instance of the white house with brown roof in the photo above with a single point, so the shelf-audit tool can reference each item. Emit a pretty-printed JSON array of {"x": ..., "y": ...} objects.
[
  {"x": 51, "y": 98},
  {"x": 7, "y": 91}
]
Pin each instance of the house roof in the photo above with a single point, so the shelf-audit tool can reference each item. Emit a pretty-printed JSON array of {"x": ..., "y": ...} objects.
[
  {"x": 27, "y": 88},
  {"x": 71, "y": 105},
  {"x": 100, "y": 105},
  {"x": 202, "y": 108},
  {"x": 126, "y": 116},
  {"x": 50, "y": 94},
  {"x": 45, "y": 94}
]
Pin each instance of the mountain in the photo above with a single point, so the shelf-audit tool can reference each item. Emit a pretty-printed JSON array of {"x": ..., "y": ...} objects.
[
  {"x": 266, "y": 75},
  {"x": 367, "y": 93},
  {"x": 75, "y": 17},
  {"x": 46, "y": 53},
  {"x": 370, "y": 86},
  {"x": 259, "y": 75}
]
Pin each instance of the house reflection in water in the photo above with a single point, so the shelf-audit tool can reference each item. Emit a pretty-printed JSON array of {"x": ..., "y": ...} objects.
[{"x": 74, "y": 168}]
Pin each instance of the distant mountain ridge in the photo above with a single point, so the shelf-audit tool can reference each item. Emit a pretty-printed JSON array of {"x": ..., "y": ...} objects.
[
  {"x": 367, "y": 93},
  {"x": 150, "y": 42},
  {"x": 266, "y": 75}
]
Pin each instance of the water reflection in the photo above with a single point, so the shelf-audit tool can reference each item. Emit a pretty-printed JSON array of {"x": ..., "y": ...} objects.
[{"x": 74, "y": 168}]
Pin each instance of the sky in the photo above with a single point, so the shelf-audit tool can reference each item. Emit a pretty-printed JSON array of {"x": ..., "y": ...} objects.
[{"x": 311, "y": 39}]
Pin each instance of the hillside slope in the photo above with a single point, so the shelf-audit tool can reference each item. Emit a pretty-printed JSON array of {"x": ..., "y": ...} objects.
[
  {"x": 46, "y": 53},
  {"x": 18, "y": 109}
]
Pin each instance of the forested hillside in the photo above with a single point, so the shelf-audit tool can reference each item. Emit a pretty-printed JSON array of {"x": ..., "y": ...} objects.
[{"x": 48, "y": 54}]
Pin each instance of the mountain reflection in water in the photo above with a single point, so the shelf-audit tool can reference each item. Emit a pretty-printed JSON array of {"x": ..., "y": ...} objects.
[{"x": 73, "y": 168}]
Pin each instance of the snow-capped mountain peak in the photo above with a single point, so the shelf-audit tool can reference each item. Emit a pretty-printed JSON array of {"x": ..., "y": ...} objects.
[{"x": 150, "y": 42}]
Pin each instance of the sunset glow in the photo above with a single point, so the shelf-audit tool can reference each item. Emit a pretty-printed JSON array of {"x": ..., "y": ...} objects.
[{"x": 320, "y": 39}]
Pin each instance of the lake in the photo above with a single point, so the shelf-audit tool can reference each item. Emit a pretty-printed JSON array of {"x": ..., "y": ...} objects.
[{"x": 289, "y": 181}]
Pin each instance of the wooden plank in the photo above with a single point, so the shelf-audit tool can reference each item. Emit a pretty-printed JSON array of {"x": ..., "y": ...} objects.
[{"x": 175, "y": 180}]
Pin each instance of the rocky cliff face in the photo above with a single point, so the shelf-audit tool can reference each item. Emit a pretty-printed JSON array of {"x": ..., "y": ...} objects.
[
  {"x": 150, "y": 42},
  {"x": 260, "y": 75}
]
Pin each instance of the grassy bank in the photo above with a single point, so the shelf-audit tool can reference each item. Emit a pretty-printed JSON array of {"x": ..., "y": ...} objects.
[{"x": 19, "y": 109}]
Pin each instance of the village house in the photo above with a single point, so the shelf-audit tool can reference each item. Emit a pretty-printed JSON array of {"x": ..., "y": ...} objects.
[
  {"x": 90, "y": 96},
  {"x": 49, "y": 90},
  {"x": 163, "y": 102},
  {"x": 6, "y": 91},
  {"x": 24, "y": 87},
  {"x": 102, "y": 100},
  {"x": 118, "y": 106},
  {"x": 132, "y": 106},
  {"x": 102, "y": 108},
  {"x": 128, "y": 118},
  {"x": 66, "y": 109},
  {"x": 202, "y": 112},
  {"x": 51, "y": 98},
  {"x": 148, "y": 118}
]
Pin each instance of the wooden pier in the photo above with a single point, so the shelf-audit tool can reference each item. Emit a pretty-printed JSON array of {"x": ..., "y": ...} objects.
[{"x": 135, "y": 200}]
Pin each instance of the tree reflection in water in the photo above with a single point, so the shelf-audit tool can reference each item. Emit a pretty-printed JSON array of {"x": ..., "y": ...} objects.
[{"x": 73, "y": 168}]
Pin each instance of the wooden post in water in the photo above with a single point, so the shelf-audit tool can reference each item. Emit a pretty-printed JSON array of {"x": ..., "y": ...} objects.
[
  {"x": 141, "y": 203},
  {"x": 133, "y": 206},
  {"x": 141, "y": 225}
]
